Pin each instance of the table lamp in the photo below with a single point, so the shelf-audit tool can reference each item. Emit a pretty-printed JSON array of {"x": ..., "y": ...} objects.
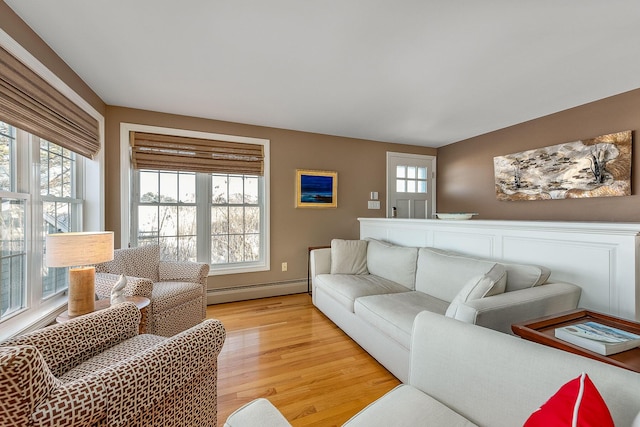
[{"x": 78, "y": 250}]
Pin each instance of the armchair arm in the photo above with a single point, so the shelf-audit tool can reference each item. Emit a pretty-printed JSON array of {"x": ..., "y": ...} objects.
[
  {"x": 80, "y": 403},
  {"x": 499, "y": 312},
  {"x": 175, "y": 363},
  {"x": 184, "y": 271},
  {"x": 66, "y": 345},
  {"x": 136, "y": 286}
]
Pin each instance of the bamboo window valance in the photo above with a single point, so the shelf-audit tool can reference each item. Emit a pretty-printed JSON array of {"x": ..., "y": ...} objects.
[
  {"x": 29, "y": 102},
  {"x": 178, "y": 153}
]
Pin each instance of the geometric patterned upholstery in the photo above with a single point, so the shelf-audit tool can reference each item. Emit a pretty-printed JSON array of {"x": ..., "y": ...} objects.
[
  {"x": 136, "y": 380},
  {"x": 177, "y": 290}
]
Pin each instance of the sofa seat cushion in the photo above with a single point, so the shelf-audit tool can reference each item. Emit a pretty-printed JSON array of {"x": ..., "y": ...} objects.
[
  {"x": 346, "y": 288},
  {"x": 112, "y": 356},
  {"x": 393, "y": 314},
  {"x": 406, "y": 406}
]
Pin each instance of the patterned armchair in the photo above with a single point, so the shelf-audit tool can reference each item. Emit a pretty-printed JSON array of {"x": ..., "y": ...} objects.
[
  {"x": 95, "y": 370},
  {"x": 177, "y": 290}
]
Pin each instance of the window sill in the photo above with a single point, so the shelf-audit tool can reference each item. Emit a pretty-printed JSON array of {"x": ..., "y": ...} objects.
[
  {"x": 219, "y": 271},
  {"x": 33, "y": 319}
]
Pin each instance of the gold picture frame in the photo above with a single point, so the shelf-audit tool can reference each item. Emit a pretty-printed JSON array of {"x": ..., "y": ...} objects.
[{"x": 316, "y": 189}]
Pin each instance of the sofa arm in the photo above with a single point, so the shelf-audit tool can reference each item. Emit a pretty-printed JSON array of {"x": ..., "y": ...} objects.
[
  {"x": 258, "y": 412},
  {"x": 183, "y": 271},
  {"x": 136, "y": 286},
  {"x": 499, "y": 312},
  {"x": 319, "y": 263},
  {"x": 66, "y": 345}
]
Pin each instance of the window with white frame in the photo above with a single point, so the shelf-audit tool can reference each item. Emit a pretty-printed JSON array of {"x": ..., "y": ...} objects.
[
  {"x": 174, "y": 208},
  {"x": 236, "y": 219},
  {"x": 218, "y": 217},
  {"x": 61, "y": 208},
  {"x": 30, "y": 209},
  {"x": 42, "y": 183}
]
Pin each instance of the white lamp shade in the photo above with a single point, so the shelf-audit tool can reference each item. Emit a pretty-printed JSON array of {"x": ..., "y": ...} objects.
[{"x": 76, "y": 249}]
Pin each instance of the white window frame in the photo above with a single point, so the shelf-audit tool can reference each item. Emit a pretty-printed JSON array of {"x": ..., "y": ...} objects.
[
  {"x": 38, "y": 312},
  {"x": 126, "y": 177}
]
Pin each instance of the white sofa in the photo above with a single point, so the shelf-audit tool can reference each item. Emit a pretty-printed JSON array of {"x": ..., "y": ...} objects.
[
  {"x": 465, "y": 375},
  {"x": 373, "y": 291}
]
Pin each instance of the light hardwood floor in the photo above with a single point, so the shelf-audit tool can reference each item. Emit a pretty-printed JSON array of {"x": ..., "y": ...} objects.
[{"x": 286, "y": 350}]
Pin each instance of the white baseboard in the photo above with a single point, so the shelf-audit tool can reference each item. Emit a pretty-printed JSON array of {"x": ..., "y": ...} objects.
[{"x": 219, "y": 296}]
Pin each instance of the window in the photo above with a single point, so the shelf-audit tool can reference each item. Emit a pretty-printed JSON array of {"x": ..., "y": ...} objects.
[
  {"x": 411, "y": 179},
  {"x": 166, "y": 213},
  {"x": 60, "y": 208},
  {"x": 174, "y": 208},
  {"x": 43, "y": 185},
  {"x": 30, "y": 209},
  {"x": 235, "y": 219},
  {"x": 214, "y": 217}
]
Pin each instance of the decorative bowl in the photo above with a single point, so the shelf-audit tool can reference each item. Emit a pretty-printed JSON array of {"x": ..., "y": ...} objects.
[{"x": 455, "y": 215}]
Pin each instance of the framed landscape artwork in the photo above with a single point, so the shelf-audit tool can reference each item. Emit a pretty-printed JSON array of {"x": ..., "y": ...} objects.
[
  {"x": 316, "y": 189},
  {"x": 596, "y": 167}
]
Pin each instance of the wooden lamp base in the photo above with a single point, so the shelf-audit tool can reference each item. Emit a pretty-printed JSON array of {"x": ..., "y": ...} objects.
[{"x": 82, "y": 290}]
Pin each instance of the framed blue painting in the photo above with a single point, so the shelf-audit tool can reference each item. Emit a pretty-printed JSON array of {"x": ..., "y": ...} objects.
[{"x": 316, "y": 189}]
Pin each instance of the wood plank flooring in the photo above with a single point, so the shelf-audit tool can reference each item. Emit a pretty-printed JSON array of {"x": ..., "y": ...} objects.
[{"x": 286, "y": 350}]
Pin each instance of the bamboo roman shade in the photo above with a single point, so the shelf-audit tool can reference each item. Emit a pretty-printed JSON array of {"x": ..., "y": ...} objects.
[
  {"x": 30, "y": 103},
  {"x": 178, "y": 153}
]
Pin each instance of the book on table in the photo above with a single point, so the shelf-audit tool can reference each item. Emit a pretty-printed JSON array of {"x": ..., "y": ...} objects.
[{"x": 599, "y": 338}]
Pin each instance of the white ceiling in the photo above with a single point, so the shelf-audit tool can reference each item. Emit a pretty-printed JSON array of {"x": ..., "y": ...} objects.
[{"x": 422, "y": 72}]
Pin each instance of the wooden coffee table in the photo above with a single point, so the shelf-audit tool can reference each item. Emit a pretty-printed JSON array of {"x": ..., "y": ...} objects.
[
  {"x": 141, "y": 302},
  {"x": 542, "y": 331}
]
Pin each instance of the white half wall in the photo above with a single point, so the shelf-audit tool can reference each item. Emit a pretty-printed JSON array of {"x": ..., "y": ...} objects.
[{"x": 601, "y": 258}]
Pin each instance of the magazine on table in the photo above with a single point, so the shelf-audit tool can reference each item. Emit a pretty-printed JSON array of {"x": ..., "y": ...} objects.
[{"x": 602, "y": 339}]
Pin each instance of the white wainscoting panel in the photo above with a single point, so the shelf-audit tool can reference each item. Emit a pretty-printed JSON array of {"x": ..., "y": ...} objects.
[{"x": 602, "y": 258}]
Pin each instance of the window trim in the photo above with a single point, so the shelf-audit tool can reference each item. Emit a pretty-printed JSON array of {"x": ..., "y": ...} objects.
[{"x": 126, "y": 177}]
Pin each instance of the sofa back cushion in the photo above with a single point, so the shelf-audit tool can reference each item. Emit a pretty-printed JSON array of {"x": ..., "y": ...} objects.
[
  {"x": 522, "y": 276},
  {"x": 396, "y": 263},
  {"x": 443, "y": 274},
  {"x": 349, "y": 256}
]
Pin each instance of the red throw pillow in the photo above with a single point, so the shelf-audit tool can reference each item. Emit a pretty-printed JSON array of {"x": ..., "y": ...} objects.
[{"x": 578, "y": 403}]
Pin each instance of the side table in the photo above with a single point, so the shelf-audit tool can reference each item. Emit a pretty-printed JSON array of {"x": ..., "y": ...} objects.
[
  {"x": 542, "y": 331},
  {"x": 141, "y": 302}
]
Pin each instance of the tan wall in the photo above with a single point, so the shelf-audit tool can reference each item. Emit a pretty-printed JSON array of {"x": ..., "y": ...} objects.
[
  {"x": 465, "y": 169},
  {"x": 361, "y": 167},
  {"x": 28, "y": 39}
]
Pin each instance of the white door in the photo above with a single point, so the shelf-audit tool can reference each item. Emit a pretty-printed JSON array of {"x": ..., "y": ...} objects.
[{"x": 411, "y": 185}]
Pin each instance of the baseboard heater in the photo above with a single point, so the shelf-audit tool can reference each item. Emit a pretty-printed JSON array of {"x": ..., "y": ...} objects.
[{"x": 262, "y": 290}]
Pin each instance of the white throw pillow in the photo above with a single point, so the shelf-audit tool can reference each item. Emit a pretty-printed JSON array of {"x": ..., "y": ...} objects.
[
  {"x": 349, "y": 257},
  {"x": 477, "y": 287}
]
